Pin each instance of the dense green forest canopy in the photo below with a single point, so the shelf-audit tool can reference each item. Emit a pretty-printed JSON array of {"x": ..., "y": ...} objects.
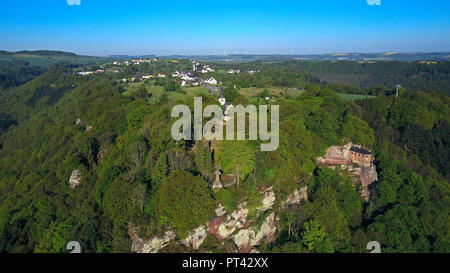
[
  {"x": 18, "y": 73},
  {"x": 365, "y": 77},
  {"x": 426, "y": 76},
  {"x": 135, "y": 174}
]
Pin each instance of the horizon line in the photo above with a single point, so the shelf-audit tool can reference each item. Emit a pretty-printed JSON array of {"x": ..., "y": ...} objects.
[{"x": 232, "y": 54}]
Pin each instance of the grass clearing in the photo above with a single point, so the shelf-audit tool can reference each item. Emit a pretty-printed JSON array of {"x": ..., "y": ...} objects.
[
  {"x": 355, "y": 96},
  {"x": 253, "y": 92}
]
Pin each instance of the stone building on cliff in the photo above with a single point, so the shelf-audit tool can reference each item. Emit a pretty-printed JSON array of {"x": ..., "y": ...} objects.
[
  {"x": 355, "y": 159},
  {"x": 361, "y": 156}
]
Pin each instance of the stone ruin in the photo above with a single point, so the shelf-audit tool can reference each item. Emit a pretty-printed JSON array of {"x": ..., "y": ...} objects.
[
  {"x": 217, "y": 183},
  {"x": 223, "y": 180}
]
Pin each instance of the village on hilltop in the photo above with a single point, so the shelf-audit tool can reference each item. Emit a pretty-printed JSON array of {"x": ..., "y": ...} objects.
[{"x": 188, "y": 78}]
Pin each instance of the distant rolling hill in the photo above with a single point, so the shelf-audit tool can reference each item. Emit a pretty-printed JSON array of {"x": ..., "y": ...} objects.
[
  {"x": 39, "y": 52},
  {"x": 360, "y": 57},
  {"x": 46, "y": 58},
  {"x": 19, "y": 67}
]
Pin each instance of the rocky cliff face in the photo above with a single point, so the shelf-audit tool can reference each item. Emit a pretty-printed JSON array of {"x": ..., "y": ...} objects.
[
  {"x": 151, "y": 246},
  {"x": 234, "y": 226},
  {"x": 246, "y": 239},
  {"x": 340, "y": 156},
  {"x": 296, "y": 197},
  {"x": 365, "y": 176},
  {"x": 225, "y": 225},
  {"x": 195, "y": 237},
  {"x": 336, "y": 155}
]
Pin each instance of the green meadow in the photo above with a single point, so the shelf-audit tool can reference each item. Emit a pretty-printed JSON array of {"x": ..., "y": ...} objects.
[
  {"x": 355, "y": 96},
  {"x": 253, "y": 92}
]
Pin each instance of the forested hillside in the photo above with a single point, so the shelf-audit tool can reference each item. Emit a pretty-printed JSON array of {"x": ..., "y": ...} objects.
[
  {"x": 368, "y": 77},
  {"x": 426, "y": 76},
  {"x": 20, "y": 67},
  {"x": 19, "y": 73},
  {"x": 134, "y": 174}
]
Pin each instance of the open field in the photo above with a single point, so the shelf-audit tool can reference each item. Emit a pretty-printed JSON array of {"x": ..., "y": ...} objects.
[
  {"x": 274, "y": 91},
  {"x": 355, "y": 96}
]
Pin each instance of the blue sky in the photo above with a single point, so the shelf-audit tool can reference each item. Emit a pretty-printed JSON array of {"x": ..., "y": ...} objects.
[{"x": 100, "y": 27}]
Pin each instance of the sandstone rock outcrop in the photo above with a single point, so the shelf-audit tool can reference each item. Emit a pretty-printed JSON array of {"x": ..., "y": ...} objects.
[
  {"x": 220, "y": 210},
  {"x": 151, "y": 246},
  {"x": 232, "y": 222},
  {"x": 248, "y": 238},
  {"x": 195, "y": 237},
  {"x": 234, "y": 226},
  {"x": 74, "y": 179},
  {"x": 365, "y": 176},
  {"x": 268, "y": 200},
  {"x": 296, "y": 197}
]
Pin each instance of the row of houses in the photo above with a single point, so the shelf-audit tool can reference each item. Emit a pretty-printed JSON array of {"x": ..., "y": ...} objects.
[
  {"x": 234, "y": 71},
  {"x": 197, "y": 67},
  {"x": 198, "y": 81},
  {"x": 86, "y": 73},
  {"x": 134, "y": 62},
  {"x": 238, "y": 71},
  {"x": 189, "y": 79},
  {"x": 98, "y": 71},
  {"x": 144, "y": 77},
  {"x": 150, "y": 76}
]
